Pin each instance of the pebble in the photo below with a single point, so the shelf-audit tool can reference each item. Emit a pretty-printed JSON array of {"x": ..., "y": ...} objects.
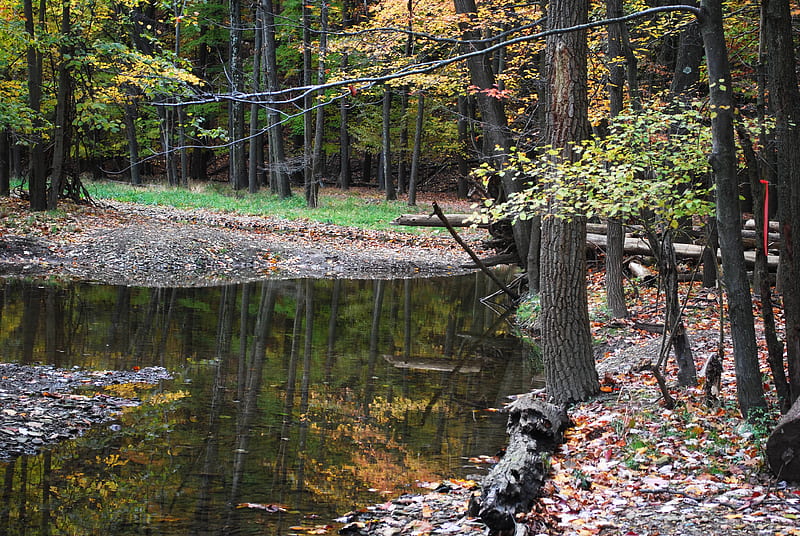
[{"x": 38, "y": 405}]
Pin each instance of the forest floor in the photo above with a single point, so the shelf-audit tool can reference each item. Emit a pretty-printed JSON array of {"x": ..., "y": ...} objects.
[
  {"x": 630, "y": 467},
  {"x": 145, "y": 245}
]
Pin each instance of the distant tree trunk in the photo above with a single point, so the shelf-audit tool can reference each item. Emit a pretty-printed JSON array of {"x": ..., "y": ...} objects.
[
  {"x": 237, "y": 167},
  {"x": 673, "y": 319},
  {"x": 37, "y": 182},
  {"x": 5, "y": 146},
  {"x": 131, "y": 114},
  {"x": 494, "y": 123},
  {"x": 414, "y": 177},
  {"x": 255, "y": 152},
  {"x": 463, "y": 140},
  {"x": 686, "y": 75},
  {"x": 615, "y": 289},
  {"x": 319, "y": 129},
  {"x": 308, "y": 115},
  {"x": 566, "y": 340},
  {"x": 391, "y": 194},
  {"x": 402, "y": 167},
  {"x": 279, "y": 173},
  {"x": 61, "y": 126},
  {"x": 784, "y": 98},
  {"x": 345, "y": 172},
  {"x": 366, "y": 167},
  {"x": 180, "y": 113}
]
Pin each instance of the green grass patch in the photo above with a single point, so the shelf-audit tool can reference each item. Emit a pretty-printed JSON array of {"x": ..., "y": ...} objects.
[{"x": 335, "y": 206}]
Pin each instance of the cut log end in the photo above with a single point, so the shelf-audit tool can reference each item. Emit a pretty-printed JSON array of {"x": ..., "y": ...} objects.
[{"x": 783, "y": 446}]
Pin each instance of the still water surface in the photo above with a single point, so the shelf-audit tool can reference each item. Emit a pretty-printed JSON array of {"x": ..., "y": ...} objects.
[{"x": 293, "y": 401}]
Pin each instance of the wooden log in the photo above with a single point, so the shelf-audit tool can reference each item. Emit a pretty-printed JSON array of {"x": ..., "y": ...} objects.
[
  {"x": 434, "y": 364},
  {"x": 431, "y": 220},
  {"x": 783, "y": 446},
  {"x": 535, "y": 428}
]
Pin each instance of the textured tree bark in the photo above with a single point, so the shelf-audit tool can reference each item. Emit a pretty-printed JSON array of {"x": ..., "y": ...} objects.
[
  {"x": 566, "y": 340},
  {"x": 783, "y": 446},
  {"x": 535, "y": 428},
  {"x": 749, "y": 390}
]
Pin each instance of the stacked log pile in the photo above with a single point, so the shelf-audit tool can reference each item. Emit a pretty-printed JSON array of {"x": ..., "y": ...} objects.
[{"x": 596, "y": 238}]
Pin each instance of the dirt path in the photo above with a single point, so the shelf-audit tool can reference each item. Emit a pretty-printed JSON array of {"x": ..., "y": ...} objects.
[{"x": 130, "y": 244}]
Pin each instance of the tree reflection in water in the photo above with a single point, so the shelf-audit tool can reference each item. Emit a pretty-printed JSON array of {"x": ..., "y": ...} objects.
[{"x": 298, "y": 400}]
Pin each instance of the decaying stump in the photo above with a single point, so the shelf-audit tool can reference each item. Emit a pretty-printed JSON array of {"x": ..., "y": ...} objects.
[
  {"x": 783, "y": 446},
  {"x": 535, "y": 428}
]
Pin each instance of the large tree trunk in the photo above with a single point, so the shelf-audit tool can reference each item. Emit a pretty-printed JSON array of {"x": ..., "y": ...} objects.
[
  {"x": 566, "y": 340},
  {"x": 723, "y": 163},
  {"x": 784, "y": 97}
]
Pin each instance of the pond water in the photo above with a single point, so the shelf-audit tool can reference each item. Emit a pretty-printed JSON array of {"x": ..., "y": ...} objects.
[{"x": 294, "y": 401}]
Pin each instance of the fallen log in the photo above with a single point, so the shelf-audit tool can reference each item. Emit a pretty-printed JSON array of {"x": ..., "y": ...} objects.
[
  {"x": 639, "y": 246},
  {"x": 431, "y": 220},
  {"x": 535, "y": 428},
  {"x": 783, "y": 446}
]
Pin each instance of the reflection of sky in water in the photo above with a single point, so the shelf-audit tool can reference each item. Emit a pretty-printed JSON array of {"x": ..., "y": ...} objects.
[{"x": 303, "y": 398}]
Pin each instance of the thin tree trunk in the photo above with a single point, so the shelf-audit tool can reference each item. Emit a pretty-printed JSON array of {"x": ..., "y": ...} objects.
[
  {"x": 133, "y": 143},
  {"x": 5, "y": 170},
  {"x": 319, "y": 130},
  {"x": 386, "y": 154},
  {"x": 615, "y": 248},
  {"x": 308, "y": 117},
  {"x": 414, "y": 177},
  {"x": 784, "y": 97},
  {"x": 237, "y": 167},
  {"x": 279, "y": 173},
  {"x": 37, "y": 183},
  {"x": 345, "y": 173},
  {"x": 749, "y": 390},
  {"x": 256, "y": 138},
  {"x": 61, "y": 126}
]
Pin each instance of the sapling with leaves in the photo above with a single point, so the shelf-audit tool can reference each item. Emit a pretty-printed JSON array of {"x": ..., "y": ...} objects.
[{"x": 647, "y": 171}]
